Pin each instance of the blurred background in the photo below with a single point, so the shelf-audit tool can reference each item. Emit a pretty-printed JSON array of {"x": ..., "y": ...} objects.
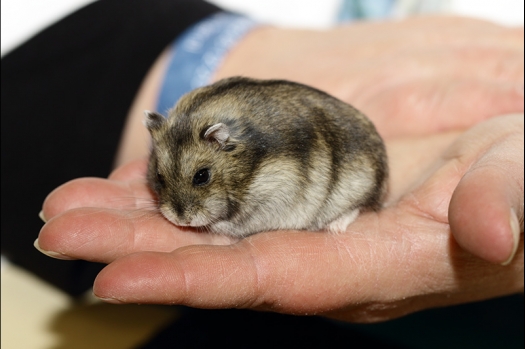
[
  {"x": 23, "y": 18},
  {"x": 37, "y": 315}
]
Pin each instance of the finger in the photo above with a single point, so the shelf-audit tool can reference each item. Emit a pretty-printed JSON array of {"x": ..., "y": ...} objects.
[
  {"x": 291, "y": 272},
  {"x": 126, "y": 189},
  {"x": 486, "y": 209},
  {"x": 439, "y": 105},
  {"x": 482, "y": 215},
  {"x": 97, "y": 192},
  {"x": 103, "y": 235},
  {"x": 371, "y": 274},
  {"x": 368, "y": 275},
  {"x": 134, "y": 170},
  {"x": 467, "y": 102},
  {"x": 278, "y": 271}
]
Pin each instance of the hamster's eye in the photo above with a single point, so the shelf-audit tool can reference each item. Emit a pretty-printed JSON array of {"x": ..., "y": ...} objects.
[
  {"x": 202, "y": 177},
  {"x": 160, "y": 179}
]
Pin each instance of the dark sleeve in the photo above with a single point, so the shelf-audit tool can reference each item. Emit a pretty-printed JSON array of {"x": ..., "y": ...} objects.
[{"x": 65, "y": 96}]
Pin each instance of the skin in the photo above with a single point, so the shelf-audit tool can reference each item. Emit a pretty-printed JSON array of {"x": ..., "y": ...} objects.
[
  {"x": 387, "y": 264},
  {"x": 411, "y": 77},
  {"x": 448, "y": 224}
]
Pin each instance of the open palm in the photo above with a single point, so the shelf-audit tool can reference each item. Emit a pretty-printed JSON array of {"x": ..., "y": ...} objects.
[{"x": 387, "y": 264}]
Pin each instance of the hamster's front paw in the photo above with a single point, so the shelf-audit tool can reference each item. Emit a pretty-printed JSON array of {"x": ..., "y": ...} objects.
[{"x": 340, "y": 224}]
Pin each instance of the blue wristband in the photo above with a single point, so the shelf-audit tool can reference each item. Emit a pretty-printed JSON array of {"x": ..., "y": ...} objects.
[
  {"x": 352, "y": 10},
  {"x": 198, "y": 52}
]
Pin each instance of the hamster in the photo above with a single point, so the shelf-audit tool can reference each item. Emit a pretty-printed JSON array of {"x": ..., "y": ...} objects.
[{"x": 243, "y": 156}]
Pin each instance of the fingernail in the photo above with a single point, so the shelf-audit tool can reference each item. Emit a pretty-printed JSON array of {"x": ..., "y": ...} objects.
[
  {"x": 108, "y": 300},
  {"x": 515, "y": 229},
  {"x": 42, "y": 217},
  {"x": 51, "y": 253}
]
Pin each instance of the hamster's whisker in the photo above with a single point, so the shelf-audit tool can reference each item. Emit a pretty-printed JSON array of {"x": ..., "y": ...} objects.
[{"x": 130, "y": 202}]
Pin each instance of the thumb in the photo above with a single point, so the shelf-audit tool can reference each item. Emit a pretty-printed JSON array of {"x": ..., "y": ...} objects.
[{"x": 486, "y": 209}]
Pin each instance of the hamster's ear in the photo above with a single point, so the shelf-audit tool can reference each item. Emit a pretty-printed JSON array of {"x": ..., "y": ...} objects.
[
  {"x": 153, "y": 120},
  {"x": 217, "y": 133}
]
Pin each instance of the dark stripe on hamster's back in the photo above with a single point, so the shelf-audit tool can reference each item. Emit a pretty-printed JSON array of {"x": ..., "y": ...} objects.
[
  {"x": 181, "y": 134},
  {"x": 335, "y": 148},
  {"x": 380, "y": 185}
]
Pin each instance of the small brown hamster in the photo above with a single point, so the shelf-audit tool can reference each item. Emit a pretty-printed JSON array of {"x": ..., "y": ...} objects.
[{"x": 242, "y": 156}]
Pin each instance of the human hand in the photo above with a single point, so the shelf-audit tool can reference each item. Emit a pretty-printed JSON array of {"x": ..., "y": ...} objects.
[
  {"x": 412, "y": 77},
  {"x": 387, "y": 264}
]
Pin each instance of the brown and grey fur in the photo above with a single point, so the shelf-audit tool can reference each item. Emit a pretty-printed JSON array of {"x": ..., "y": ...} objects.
[{"x": 281, "y": 156}]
